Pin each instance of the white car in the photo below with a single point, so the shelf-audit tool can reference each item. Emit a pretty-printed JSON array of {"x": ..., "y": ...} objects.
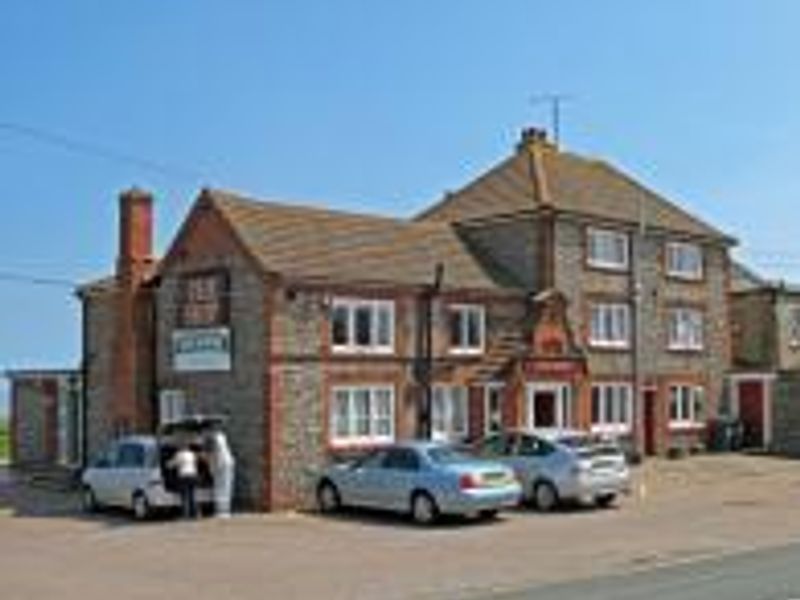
[
  {"x": 561, "y": 465},
  {"x": 132, "y": 473}
]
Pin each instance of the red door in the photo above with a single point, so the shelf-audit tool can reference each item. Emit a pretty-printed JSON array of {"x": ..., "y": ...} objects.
[
  {"x": 544, "y": 409},
  {"x": 751, "y": 412}
]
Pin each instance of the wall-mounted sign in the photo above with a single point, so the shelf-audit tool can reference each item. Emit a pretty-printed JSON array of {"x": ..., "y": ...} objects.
[{"x": 207, "y": 349}]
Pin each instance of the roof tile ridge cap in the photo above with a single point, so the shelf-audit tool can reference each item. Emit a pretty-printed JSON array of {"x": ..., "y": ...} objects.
[{"x": 613, "y": 170}]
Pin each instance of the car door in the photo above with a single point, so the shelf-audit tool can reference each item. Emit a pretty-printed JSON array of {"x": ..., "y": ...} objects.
[
  {"x": 398, "y": 478},
  {"x": 529, "y": 459},
  {"x": 101, "y": 475},
  {"x": 129, "y": 472},
  {"x": 357, "y": 483}
]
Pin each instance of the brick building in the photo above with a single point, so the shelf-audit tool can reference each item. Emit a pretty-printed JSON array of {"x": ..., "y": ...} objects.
[
  {"x": 765, "y": 378},
  {"x": 46, "y": 425},
  {"x": 318, "y": 332}
]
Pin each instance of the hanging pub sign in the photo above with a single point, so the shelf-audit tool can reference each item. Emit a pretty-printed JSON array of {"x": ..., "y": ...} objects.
[{"x": 202, "y": 341}]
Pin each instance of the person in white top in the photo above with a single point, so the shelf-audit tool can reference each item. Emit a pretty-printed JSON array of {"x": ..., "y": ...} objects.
[
  {"x": 185, "y": 464},
  {"x": 222, "y": 466}
]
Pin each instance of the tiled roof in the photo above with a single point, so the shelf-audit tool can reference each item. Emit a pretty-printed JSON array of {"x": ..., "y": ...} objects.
[
  {"x": 314, "y": 243},
  {"x": 539, "y": 174}
]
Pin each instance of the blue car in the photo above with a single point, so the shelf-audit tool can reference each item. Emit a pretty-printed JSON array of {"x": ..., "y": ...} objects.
[{"x": 424, "y": 479}]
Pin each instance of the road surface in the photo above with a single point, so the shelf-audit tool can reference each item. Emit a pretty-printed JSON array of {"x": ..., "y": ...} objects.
[{"x": 771, "y": 574}]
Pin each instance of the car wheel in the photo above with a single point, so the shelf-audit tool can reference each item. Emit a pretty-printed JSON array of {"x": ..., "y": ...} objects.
[
  {"x": 89, "y": 500},
  {"x": 423, "y": 509},
  {"x": 140, "y": 506},
  {"x": 605, "y": 501},
  {"x": 328, "y": 499},
  {"x": 545, "y": 496},
  {"x": 488, "y": 515}
]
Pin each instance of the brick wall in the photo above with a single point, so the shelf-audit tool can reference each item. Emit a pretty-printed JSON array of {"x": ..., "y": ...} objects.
[{"x": 100, "y": 321}]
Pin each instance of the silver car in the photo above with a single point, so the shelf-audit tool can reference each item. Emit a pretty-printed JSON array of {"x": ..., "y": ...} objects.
[
  {"x": 425, "y": 479},
  {"x": 560, "y": 465}
]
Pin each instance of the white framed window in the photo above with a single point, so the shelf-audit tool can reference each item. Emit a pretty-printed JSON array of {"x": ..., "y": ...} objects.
[
  {"x": 493, "y": 407},
  {"x": 607, "y": 249},
  {"x": 685, "y": 329},
  {"x": 612, "y": 407},
  {"x": 449, "y": 412},
  {"x": 467, "y": 324},
  {"x": 362, "y": 415},
  {"x": 171, "y": 406},
  {"x": 684, "y": 260},
  {"x": 362, "y": 326},
  {"x": 610, "y": 325},
  {"x": 794, "y": 325},
  {"x": 686, "y": 406}
]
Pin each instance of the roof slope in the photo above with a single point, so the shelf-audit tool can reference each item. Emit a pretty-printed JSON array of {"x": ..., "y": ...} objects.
[
  {"x": 539, "y": 174},
  {"x": 329, "y": 245}
]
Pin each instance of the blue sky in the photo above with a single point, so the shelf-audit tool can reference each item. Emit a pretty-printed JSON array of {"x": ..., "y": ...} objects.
[{"x": 375, "y": 106}]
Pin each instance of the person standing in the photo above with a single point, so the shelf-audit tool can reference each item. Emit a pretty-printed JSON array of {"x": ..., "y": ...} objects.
[
  {"x": 185, "y": 464},
  {"x": 222, "y": 466}
]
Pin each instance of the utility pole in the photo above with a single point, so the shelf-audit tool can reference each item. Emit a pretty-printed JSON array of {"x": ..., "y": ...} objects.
[{"x": 555, "y": 101}]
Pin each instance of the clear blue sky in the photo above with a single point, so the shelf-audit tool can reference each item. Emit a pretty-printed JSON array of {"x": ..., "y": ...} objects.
[{"x": 376, "y": 106}]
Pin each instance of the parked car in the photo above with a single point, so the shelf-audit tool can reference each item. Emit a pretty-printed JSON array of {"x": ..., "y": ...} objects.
[
  {"x": 425, "y": 479},
  {"x": 561, "y": 465},
  {"x": 133, "y": 473}
]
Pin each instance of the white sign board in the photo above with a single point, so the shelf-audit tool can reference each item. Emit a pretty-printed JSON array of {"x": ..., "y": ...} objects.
[{"x": 207, "y": 349}]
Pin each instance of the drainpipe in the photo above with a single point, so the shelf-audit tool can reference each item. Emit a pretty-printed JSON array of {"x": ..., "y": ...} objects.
[{"x": 424, "y": 424}]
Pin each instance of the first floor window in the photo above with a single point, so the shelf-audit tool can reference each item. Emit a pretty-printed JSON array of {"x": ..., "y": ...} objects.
[
  {"x": 684, "y": 260},
  {"x": 467, "y": 324},
  {"x": 362, "y": 325},
  {"x": 610, "y": 325},
  {"x": 686, "y": 405},
  {"x": 611, "y": 406},
  {"x": 449, "y": 412},
  {"x": 607, "y": 249},
  {"x": 493, "y": 413},
  {"x": 362, "y": 414},
  {"x": 685, "y": 329},
  {"x": 171, "y": 406}
]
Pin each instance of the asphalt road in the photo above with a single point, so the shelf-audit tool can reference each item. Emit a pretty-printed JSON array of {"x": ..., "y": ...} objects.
[{"x": 771, "y": 574}]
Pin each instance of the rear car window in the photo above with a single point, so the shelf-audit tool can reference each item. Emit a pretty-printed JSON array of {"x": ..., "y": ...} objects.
[
  {"x": 446, "y": 455},
  {"x": 587, "y": 445}
]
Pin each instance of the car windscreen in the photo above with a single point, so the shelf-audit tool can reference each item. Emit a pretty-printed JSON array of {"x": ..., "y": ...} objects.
[{"x": 445, "y": 455}]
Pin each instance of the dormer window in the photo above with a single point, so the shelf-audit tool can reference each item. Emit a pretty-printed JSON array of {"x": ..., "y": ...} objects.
[
  {"x": 607, "y": 249},
  {"x": 684, "y": 260}
]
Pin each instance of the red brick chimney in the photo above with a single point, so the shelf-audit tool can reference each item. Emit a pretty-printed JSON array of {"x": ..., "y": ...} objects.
[{"x": 135, "y": 261}]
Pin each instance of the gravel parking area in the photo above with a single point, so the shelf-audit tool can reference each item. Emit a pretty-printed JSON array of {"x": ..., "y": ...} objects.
[{"x": 682, "y": 510}]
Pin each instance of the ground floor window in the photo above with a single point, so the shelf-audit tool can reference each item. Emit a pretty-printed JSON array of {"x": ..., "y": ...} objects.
[
  {"x": 611, "y": 407},
  {"x": 493, "y": 410},
  {"x": 362, "y": 415},
  {"x": 171, "y": 406},
  {"x": 686, "y": 405},
  {"x": 449, "y": 412}
]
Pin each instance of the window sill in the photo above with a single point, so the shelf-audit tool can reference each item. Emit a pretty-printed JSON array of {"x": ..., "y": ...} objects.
[
  {"x": 686, "y": 425},
  {"x": 609, "y": 347},
  {"x": 610, "y": 268},
  {"x": 359, "y": 351},
  {"x": 359, "y": 443},
  {"x": 686, "y": 349},
  {"x": 465, "y": 351},
  {"x": 611, "y": 428}
]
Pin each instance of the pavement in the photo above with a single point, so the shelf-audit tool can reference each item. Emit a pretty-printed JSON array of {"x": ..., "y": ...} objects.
[{"x": 683, "y": 512}]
